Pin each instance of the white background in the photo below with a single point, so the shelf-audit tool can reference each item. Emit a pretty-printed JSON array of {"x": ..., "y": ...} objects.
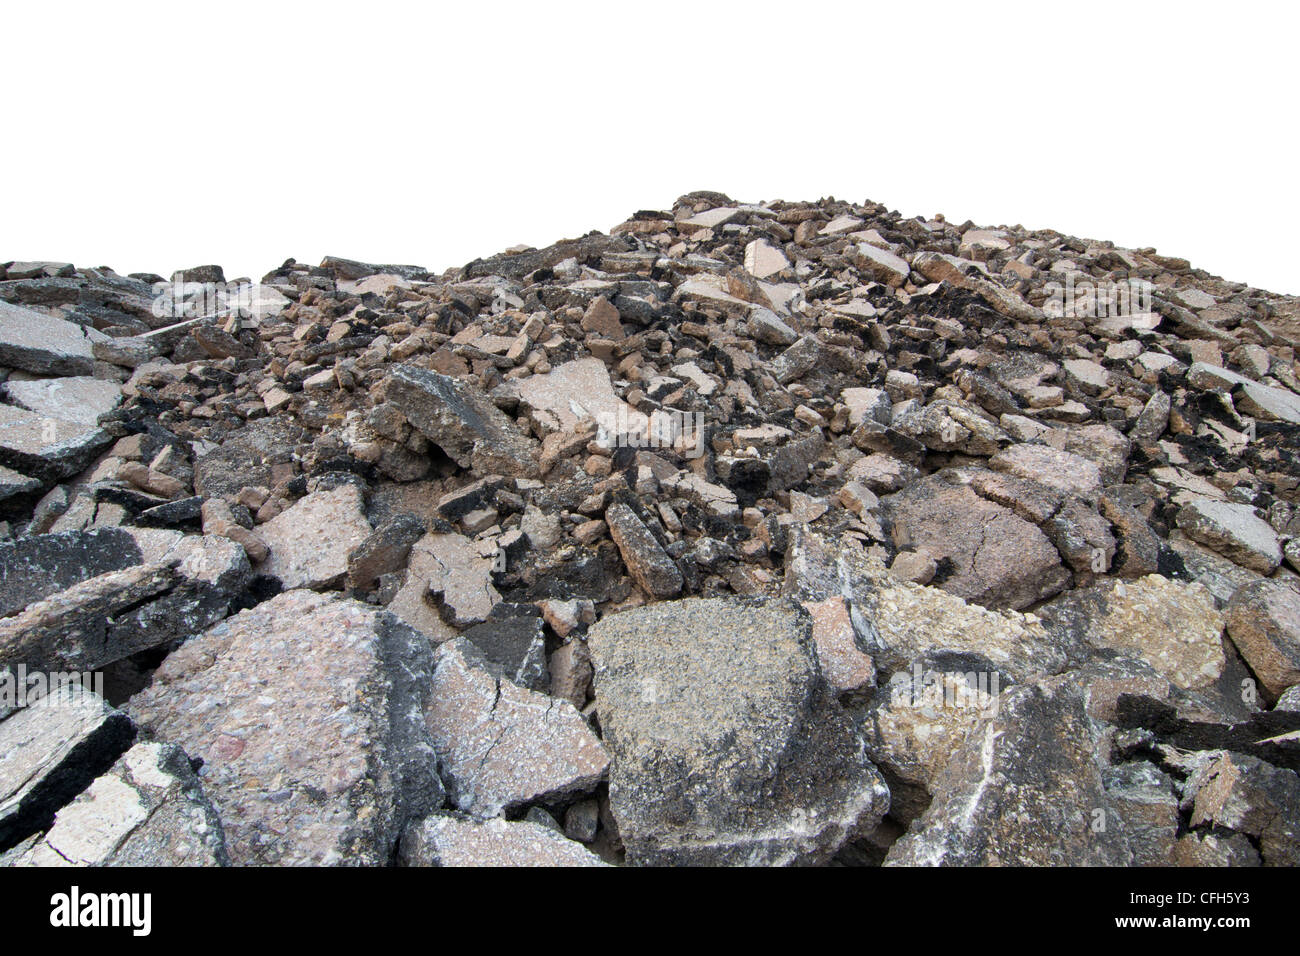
[{"x": 150, "y": 137}]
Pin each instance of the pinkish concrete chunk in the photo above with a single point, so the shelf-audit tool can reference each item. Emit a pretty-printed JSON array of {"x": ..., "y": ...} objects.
[
  {"x": 500, "y": 745},
  {"x": 310, "y": 542},
  {"x": 447, "y": 840},
  {"x": 843, "y": 664}
]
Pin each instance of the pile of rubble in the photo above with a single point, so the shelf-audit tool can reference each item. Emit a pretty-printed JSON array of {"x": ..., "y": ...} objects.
[{"x": 743, "y": 534}]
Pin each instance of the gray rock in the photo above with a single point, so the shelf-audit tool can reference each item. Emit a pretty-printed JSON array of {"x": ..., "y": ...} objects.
[
  {"x": 47, "y": 448},
  {"x": 1153, "y": 420},
  {"x": 385, "y": 551},
  {"x": 1145, "y": 807},
  {"x": 448, "y": 573},
  {"x": 582, "y": 820},
  {"x": 765, "y": 326},
  {"x": 107, "y": 618},
  {"x": 1251, "y": 797},
  {"x": 501, "y": 746},
  {"x": 462, "y": 422},
  {"x": 50, "y": 752},
  {"x": 310, "y": 542},
  {"x": 514, "y": 645},
  {"x": 1264, "y": 623},
  {"x": 798, "y": 360},
  {"x": 79, "y": 399},
  {"x": 1024, "y": 789},
  {"x": 1173, "y": 626},
  {"x": 246, "y": 459},
  {"x": 447, "y": 840},
  {"x": 946, "y": 425},
  {"x": 35, "y": 567},
  {"x": 330, "y": 758},
  {"x": 727, "y": 746},
  {"x": 900, "y": 623},
  {"x": 12, "y": 484},
  {"x": 1062, "y": 470},
  {"x": 148, "y": 810},
  {"x": 1234, "y": 531},
  {"x": 648, "y": 563},
  {"x": 43, "y": 344},
  {"x": 1100, "y": 444}
]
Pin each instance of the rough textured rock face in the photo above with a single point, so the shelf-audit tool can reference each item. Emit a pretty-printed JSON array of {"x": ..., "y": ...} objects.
[
  {"x": 744, "y": 533},
  {"x": 1174, "y": 627},
  {"x": 1019, "y": 791},
  {"x": 726, "y": 748},
  {"x": 1264, "y": 624},
  {"x": 986, "y": 553},
  {"x": 327, "y": 760},
  {"x": 501, "y": 745},
  {"x": 446, "y": 840},
  {"x": 50, "y": 752},
  {"x": 148, "y": 810}
]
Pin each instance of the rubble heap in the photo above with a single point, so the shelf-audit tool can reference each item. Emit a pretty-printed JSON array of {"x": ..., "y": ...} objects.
[{"x": 742, "y": 534}]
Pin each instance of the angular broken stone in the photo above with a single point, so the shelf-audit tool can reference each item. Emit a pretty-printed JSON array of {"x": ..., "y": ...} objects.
[
  {"x": 190, "y": 584},
  {"x": 310, "y": 542},
  {"x": 460, "y": 421},
  {"x": 1246, "y": 795},
  {"x": 444, "y": 839},
  {"x": 49, "y": 449},
  {"x": 844, "y": 664},
  {"x": 38, "y": 566},
  {"x": 881, "y": 265},
  {"x": 985, "y": 552},
  {"x": 43, "y": 344},
  {"x": 50, "y": 752},
  {"x": 574, "y": 391},
  {"x": 726, "y": 746},
  {"x": 1049, "y": 466},
  {"x": 1019, "y": 791},
  {"x": 900, "y": 622},
  {"x": 513, "y": 643},
  {"x": 923, "y": 717},
  {"x": 148, "y": 810},
  {"x": 500, "y": 745},
  {"x": 762, "y": 259},
  {"x": 1263, "y": 622},
  {"x": 1234, "y": 531},
  {"x": 12, "y": 484},
  {"x": 448, "y": 572},
  {"x": 651, "y": 568},
  {"x": 1174, "y": 627},
  {"x": 79, "y": 399},
  {"x": 329, "y": 757}
]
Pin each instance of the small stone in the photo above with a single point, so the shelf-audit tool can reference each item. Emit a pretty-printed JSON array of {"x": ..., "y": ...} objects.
[
  {"x": 915, "y": 566},
  {"x": 651, "y": 568}
]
